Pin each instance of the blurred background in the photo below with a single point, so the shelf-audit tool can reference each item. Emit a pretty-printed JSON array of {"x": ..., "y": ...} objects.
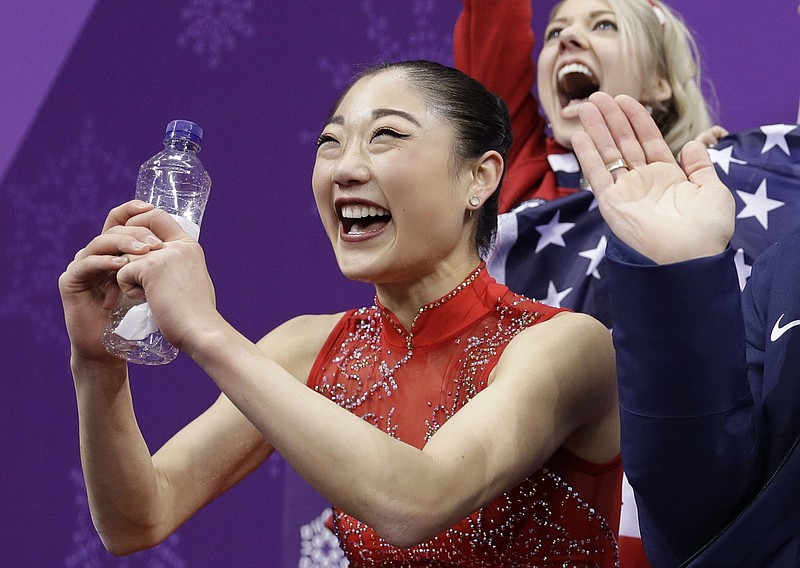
[{"x": 86, "y": 89}]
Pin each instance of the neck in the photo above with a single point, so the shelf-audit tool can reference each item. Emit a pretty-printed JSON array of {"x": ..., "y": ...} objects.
[{"x": 406, "y": 301}]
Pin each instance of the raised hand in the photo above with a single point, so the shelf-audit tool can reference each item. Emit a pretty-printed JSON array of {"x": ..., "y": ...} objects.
[
  {"x": 88, "y": 286},
  {"x": 667, "y": 211}
]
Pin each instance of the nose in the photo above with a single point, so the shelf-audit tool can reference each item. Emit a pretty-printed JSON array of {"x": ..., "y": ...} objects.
[
  {"x": 571, "y": 37},
  {"x": 352, "y": 166}
]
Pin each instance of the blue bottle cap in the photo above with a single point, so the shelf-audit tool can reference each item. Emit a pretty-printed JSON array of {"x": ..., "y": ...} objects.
[{"x": 184, "y": 129}]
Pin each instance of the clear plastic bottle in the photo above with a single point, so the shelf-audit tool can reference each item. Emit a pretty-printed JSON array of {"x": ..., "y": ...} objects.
[{"x": 173, "y": 180}]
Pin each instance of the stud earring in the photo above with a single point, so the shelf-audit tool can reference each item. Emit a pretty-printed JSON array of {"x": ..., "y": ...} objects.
[{"x": 474, "y": 200}]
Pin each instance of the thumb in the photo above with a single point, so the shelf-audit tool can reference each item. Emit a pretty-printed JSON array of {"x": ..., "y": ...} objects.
[{"x": 697, "y": 165}]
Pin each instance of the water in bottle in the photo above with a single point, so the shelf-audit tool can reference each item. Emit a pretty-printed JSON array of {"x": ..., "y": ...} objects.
[{"x": 176, "y": 181}]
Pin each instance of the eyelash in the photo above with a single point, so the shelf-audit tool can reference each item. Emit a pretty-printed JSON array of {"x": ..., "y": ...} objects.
[
  {"x": 323, "y": 138},
  {"x": 389, "y": 131},
  {"x": 552, "y": 34}
]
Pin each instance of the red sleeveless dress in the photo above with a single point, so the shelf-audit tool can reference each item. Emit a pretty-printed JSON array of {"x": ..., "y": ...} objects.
[{"x": 408, "y": 385}]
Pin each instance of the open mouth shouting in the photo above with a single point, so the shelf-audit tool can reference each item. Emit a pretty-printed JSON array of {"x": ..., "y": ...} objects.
[
  {"x": 574, "y": 83},
  {"x": 362, "y": 220}
]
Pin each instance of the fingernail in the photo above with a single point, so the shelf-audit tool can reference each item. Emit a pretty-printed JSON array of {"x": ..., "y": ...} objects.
[
  {"x": 153, "y": 240},
  {"x": 138, "y": 245}
]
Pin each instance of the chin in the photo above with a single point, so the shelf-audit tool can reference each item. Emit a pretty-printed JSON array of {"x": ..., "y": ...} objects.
[
  {"x": 359, "y": 270},
  {"x": 562, "y": 136},
  {"x": 561, "y": 129}
]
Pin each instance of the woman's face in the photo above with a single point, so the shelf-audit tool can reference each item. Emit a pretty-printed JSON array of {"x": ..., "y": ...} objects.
[
  {"x": 582, "y": 53},
  {"x": 385, "y": 183}
]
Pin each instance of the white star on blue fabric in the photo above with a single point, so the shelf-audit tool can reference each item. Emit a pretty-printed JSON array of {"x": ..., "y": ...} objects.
[
  {"x": 724, "y": 158},
  {"x": 758, "y": 205},
  {"x": 564, "y": 162},
  {"x": 595, "y": 255},
  {"x": 743, "y": 270},
  {"x": 776, "y": 136},
  {"x": 554, "y": 297},
  {"x": 553, "y": 232}
]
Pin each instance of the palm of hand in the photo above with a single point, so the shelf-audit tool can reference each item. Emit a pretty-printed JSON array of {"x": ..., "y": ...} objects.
[{"x": 666, "y": 216}]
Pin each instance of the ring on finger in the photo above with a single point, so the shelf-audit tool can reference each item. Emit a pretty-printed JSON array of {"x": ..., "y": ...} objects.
[{"x": 616, "y": 165}]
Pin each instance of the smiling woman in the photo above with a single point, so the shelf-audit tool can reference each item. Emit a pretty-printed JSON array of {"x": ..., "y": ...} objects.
[
  {"x": 379, "y": 168},
  {"x": 450, "y": 390}
]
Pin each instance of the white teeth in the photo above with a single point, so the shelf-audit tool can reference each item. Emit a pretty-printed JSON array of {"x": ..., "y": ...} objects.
[
  {"x": 574, "y": 68},
  {"x": 362, "y": 211}
]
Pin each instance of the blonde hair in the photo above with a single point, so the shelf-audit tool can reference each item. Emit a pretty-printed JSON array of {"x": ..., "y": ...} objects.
[{"x": 664, "y": 45}]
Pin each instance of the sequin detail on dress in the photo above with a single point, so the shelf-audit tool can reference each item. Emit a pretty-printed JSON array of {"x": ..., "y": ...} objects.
[{"x": 410, "y": 383}]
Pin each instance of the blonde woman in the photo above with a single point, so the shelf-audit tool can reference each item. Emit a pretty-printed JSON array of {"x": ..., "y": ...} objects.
[
  {"x": 636, "y": 47},
  {"x": 548, "y": 226}
]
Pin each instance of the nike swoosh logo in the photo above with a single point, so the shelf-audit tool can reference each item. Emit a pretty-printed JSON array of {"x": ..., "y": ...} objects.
[{"x": 779, "y": 330}]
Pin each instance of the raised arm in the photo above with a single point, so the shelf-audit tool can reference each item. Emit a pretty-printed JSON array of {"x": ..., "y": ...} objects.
[
  {"x": 493, "y": 43},
  {"x": 135, "y": 500},
  {"x": 387, "y": 484},
  {"x": 688, "y": 439}
]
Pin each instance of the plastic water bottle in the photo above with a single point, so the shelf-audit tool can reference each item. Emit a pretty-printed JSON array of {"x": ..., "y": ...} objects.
[{"x": 173, "y": 180}]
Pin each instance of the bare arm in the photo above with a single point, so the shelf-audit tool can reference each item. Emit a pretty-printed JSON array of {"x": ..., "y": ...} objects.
[
  {"x": 136, "y": 501},
  {"x": 388, "y": 484},
  {"x": 107, "y": 424},
  {"x": 380, "y": 480}
]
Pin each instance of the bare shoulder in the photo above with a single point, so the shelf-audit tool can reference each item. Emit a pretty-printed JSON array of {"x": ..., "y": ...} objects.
[
  {"x": 573, "y": 351},
  {"x": 569, "y": 360},
  {"x": 296, "y": 343},
  {"x": 566, "y": 339}
]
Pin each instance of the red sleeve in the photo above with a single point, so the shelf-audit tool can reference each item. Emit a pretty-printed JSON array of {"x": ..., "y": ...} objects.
[{"x": 493, "y": 43}]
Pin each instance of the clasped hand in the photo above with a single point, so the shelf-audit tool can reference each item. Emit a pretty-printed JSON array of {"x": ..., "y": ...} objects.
[
  {"x": 667, "y": 211},
  {"x": 172, "y": 277},
  {"x": 143, "y": 253}
]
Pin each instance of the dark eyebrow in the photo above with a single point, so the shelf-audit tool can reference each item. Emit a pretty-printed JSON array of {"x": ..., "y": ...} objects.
[
  {"x": 377, "y": 113},
  {"x": 381, "y": 112}
]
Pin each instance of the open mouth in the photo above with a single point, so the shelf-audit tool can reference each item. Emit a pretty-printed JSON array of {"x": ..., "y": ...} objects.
[
  {"x": 575, "y": 82},
  {"x": 361, "y": 219}
]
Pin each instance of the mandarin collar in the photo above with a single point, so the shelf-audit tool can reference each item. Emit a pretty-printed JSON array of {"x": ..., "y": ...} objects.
[{"x": 446, "y": 317}]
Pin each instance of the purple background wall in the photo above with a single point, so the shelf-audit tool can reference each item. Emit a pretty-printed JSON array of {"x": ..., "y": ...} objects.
[{"x": 86, "y": 88}]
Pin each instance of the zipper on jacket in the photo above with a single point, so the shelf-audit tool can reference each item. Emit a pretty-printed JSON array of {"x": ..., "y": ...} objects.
[{"x": 764, "y": 487}]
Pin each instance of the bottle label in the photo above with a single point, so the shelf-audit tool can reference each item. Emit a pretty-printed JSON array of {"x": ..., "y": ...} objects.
[
  {"x": 191, "y": 229},
  {"x": 137, "y": 324}
]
